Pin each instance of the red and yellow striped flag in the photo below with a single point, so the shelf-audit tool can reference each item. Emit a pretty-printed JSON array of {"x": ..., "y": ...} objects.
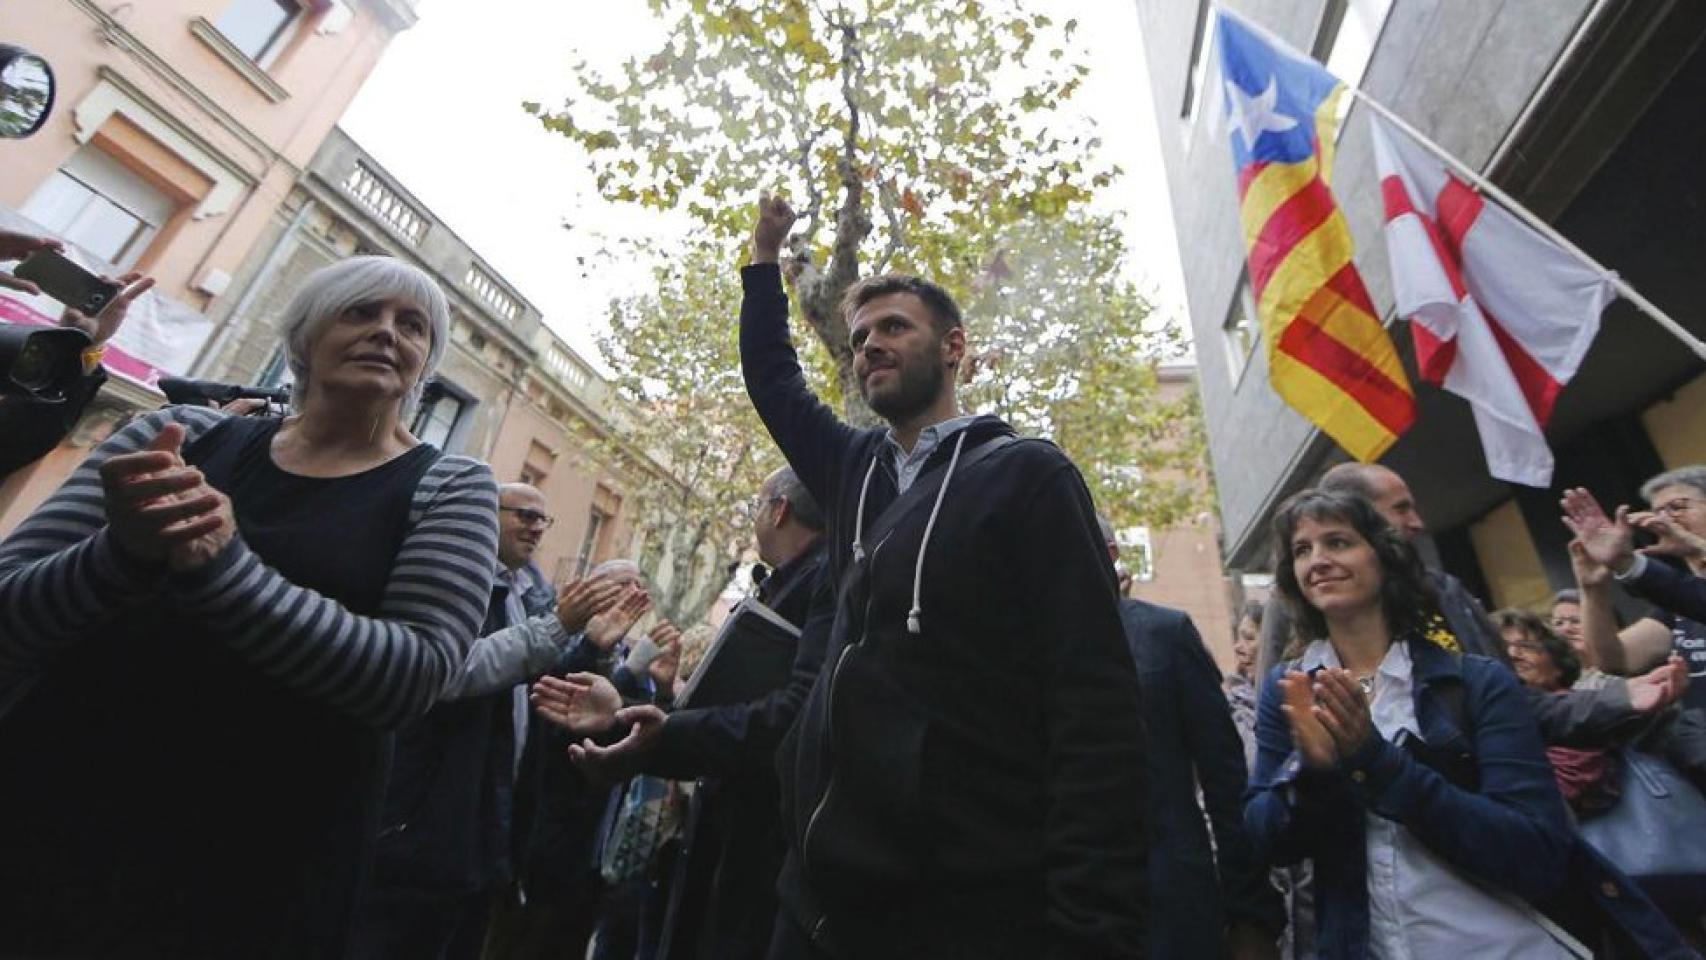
[{"x": 1328, "y": 355}]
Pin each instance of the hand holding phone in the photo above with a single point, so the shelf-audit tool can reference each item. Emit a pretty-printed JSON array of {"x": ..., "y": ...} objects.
[{"x": 62, "y": 279}]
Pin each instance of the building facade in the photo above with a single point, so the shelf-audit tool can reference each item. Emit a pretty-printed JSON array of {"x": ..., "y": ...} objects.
[
  {"x": 179, "y": 128},
  {"x": 1586, "y": 110},
  {"x": 1180, "y": 566}
]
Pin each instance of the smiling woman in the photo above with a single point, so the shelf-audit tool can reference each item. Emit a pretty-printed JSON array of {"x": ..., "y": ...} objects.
[
  {"x": 194, "y": 747},
  {"x": 1400, "y": 768}
]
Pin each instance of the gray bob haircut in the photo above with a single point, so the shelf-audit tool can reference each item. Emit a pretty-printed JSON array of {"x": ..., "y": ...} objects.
[
  {"x": 337, "y": 287},
  {"x": 1693, "y": 476}
]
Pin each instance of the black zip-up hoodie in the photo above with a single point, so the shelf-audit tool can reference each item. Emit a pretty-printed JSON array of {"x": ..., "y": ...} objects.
[{"x": 972, "y": 787}]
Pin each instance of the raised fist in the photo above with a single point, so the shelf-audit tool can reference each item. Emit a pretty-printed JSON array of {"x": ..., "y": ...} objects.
[{"x": 775, "y": 219}]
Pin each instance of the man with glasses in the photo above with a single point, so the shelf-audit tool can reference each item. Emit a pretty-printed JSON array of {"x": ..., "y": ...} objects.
[{"x": 444, "y": 841}]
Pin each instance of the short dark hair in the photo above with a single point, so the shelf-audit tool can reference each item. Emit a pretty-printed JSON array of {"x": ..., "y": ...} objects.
[
  {"x": 1571, "y": 595},
  {"x": 785, "y": 483},
  {"x": 1563, "y": 655},
  {"x": 1348, "y": 478},
  {"x": 944, "y": 312},
  {"x": 1253, "y": 610},
  {"x": 1405, "y": 596}
]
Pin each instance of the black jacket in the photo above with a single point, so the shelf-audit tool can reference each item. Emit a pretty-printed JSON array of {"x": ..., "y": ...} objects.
[
  {"x": 974, "y": 789},
  {"x": 445, "y": 828},
  {"x": 723, "y": 900},
  {"x": 557, "y": 809},
  {"x": 1197, "y": 887}
]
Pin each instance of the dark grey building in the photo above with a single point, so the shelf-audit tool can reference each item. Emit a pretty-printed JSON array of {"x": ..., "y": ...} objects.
[{"x": 1590, "y": 112}]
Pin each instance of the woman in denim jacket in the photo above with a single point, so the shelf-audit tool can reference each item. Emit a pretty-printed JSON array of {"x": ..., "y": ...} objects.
[{"x": 1413, "y": 777}]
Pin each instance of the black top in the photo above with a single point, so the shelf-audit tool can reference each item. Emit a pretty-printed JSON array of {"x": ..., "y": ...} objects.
[
  {"x": 1688, "y": 641},
  {"x": 180, "y": 802}
]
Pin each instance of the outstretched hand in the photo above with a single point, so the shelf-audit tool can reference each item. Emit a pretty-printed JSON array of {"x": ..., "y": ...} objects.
[
  {"x": 775, "y": 218},
  {"x": 1660, "y": 687},
  {"x": 1606, "y": 541},
  {"x": 581, "y": 703},
  {"x": 622, "y": 759}
]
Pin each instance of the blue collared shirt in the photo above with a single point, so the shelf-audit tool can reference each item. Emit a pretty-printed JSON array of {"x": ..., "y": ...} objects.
[{"x": 908, "y": 465}]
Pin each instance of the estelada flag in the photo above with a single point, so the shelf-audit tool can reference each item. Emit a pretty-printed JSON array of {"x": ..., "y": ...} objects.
[
  {"x": 1328, "y": 355},
  {"x": 1501, "y": 315}
]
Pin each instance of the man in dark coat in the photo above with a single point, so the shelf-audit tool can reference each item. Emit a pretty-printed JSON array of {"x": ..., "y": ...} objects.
[
  {"x": 1207, "y": 898},
  {"x": 723, "y": 900},
  {"x": 443, "y": 845}
]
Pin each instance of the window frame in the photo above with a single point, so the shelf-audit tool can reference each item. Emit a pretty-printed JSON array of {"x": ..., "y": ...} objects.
[
  {"x": 1240, "y": 353},
  {"x": 276, "y": 41},
  {"x": 85, "y": 169},
  {"x": 1328, "y": 34},
  {"x": 1196, "y": 69},
  {"x": 437, "y": 390}
]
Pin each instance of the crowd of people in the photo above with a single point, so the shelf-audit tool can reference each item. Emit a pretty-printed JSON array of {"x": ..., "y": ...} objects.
[{"x": 294, "y": 687}]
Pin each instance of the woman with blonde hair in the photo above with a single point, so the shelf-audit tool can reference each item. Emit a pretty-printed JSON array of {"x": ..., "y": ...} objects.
[{"x": 206, "y": 631}]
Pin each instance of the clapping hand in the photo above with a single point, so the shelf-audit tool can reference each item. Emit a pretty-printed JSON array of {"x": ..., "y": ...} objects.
[
  {"x": 581, "y": 703},
  {"x": 607, "y": 629},
  {"x": 1343, "y": 708},
  {"x": 582, "y": 599},
  {"x": 159, "y": 510},
  {"x": 1313, "y": 741},
  {"x": 1329, "y": 715},
  {"x": 1607, "y": 542},
  {"x": 664, "y": 666}
]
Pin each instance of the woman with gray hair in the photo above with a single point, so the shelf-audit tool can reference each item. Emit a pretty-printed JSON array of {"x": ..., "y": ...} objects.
[{"x": 205, "y": 632}]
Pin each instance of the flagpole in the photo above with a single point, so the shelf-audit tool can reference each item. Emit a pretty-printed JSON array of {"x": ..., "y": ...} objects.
[
  {"x": 1481, "y": 183},
  {"x": 1622, "y": 286}
]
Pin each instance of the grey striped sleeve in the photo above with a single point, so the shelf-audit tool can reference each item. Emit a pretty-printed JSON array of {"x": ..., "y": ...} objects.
[
  {"x": 382, "y": 669},
  {"x": 61, "y": 578},
  {"x": 60, "y": 575}
]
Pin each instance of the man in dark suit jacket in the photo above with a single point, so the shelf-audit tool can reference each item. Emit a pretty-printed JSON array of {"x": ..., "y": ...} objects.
[{"x": 1205, "y": 900}]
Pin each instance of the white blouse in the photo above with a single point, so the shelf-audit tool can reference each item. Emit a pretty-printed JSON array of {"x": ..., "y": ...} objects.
[{"x": 1419, "y": 906}]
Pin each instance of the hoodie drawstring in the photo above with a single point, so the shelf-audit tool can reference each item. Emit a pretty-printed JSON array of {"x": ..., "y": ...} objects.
[
  {"x": 859, "y": 518},
  {"x": 915, "y": 618}
]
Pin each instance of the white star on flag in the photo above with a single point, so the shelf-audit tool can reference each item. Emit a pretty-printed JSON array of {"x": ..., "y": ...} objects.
[{"x": 1254, "y": 116}]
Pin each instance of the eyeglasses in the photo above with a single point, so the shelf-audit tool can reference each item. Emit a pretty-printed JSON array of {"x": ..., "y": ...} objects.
[
  {"x": 756, "y": 505},
  {"x": 530, "y": 516},
  {"x": 1675, "y": 507}
]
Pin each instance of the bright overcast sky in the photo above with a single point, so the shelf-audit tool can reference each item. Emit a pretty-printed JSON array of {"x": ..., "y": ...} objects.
[{"x": 442, "y": 113}]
